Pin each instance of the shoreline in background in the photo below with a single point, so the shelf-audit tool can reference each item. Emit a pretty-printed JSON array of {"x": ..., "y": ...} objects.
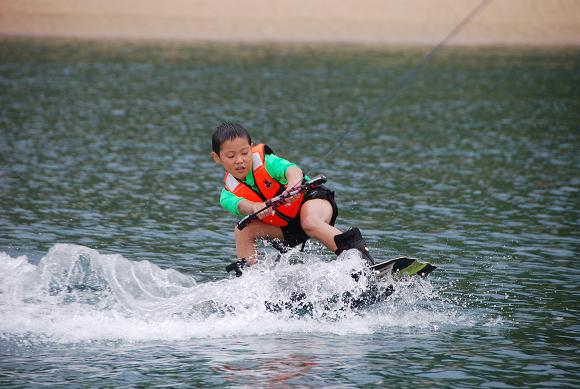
[
  {"x": 168, "y": 43},
  {"x": 318, "y": 22}
]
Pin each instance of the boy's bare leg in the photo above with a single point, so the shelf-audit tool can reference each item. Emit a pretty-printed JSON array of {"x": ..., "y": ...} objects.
[
  {"x": 246, "y": 239},
  {"x": 314, "y": 218}
]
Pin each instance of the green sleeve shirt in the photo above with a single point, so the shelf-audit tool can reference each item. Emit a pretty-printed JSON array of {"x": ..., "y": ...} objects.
[{"x": 276, "y": 168}]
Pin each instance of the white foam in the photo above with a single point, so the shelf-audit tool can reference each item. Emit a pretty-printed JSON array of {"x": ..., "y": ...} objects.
[{"x": 77, "y": 294}]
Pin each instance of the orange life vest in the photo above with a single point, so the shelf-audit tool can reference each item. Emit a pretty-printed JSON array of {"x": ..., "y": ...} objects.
[{"x": 267, "y": 188}]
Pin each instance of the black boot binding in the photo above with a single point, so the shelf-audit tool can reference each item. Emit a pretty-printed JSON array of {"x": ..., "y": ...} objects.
[
  {"x": 352, "y": 239},
  {"x": 237, "y": 267}
]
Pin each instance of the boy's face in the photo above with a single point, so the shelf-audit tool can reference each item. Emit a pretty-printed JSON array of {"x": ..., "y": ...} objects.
[{"x": 236, "y": 157}]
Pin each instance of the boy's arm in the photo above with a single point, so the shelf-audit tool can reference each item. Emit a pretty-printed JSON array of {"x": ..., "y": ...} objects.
[
  {"x": 239, "y": 206},
  {"x": 283, "y": 171},
  {"x": 230, "y": 202},
  {"x": 294, "y": 176},
  {"x": 246, "y": 207}
]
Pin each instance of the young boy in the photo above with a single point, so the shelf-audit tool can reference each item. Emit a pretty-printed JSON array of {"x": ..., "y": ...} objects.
[{"x": 254, "y": 174}]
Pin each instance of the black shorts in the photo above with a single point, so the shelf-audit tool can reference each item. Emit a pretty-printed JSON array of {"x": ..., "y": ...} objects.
[{"x": 293, "y": 232}]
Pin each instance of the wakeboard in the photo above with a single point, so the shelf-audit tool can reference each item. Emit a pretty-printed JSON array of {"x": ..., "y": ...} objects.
[
  {"x": 401, "y": 266},
  {"x": 376, "y": 291}
]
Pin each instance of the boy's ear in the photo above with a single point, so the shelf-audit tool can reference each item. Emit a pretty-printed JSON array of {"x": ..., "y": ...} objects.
[{"x": 216, "y": 157}]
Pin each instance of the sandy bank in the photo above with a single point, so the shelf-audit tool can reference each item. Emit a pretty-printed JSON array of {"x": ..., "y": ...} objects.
[{"x": 503, "y": 22}]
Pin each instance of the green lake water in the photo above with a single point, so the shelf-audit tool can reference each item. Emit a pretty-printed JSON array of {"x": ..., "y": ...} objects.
[{"x": 113, "y": 243}]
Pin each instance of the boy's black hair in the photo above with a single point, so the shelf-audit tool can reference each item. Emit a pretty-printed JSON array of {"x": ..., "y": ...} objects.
[{"x": 228, "y": 131}]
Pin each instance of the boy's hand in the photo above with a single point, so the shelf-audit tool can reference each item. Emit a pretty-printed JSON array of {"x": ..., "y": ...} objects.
[
  {"x": 289, "y": 188},
  {"x": 265, "y": 213},
  {"x": 295, "y": 177},
  {"x": 291, "y": 198}
]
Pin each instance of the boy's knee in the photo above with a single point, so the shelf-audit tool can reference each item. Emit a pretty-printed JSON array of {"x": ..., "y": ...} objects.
[
  {"x": 240, "y": 233},
  {"x": 246, "y": 233},
  {"x": 309, "y": 224}
]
